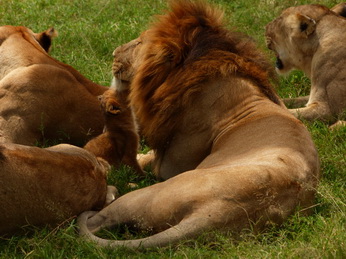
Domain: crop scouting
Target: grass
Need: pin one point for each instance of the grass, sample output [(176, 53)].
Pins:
[(88, 33)]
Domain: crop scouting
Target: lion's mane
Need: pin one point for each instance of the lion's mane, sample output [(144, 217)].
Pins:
[(182, 50)]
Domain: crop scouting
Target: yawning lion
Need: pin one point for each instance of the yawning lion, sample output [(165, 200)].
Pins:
[(311, 38)]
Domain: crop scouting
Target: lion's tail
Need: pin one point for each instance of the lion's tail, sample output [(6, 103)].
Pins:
[(187, 228)]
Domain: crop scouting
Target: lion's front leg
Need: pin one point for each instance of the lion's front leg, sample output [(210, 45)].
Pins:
[(314, 111), (296, 102)]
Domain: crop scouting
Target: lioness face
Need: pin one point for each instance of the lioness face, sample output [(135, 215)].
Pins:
[(281, 38), (275, 39), (292, 37)]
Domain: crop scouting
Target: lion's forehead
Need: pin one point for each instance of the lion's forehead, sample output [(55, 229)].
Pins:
[(279, 24), (314, 11), (127, 48)]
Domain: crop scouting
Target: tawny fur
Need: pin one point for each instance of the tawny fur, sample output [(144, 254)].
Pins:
[(311, 38), (232, 154), (42, 98), (119, 142), (47, 186)]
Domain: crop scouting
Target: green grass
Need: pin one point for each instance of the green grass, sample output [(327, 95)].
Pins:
[(88, 33)]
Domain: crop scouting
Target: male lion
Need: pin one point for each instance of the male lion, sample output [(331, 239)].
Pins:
[(48, 186), (232, 152), (311, 38), (119, 142), (40, 97)]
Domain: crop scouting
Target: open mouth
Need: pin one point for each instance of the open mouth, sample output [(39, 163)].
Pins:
[(279, 65)]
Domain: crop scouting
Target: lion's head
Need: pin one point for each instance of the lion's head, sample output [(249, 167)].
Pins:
[(292, 36), (110, 104), (42, 39), (124, 60)]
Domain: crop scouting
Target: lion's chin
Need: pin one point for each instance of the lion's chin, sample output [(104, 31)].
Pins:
[(119, 84)]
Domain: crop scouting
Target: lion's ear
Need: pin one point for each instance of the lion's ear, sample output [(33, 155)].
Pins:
[(306, 25), (45, 38), (339, 9), (113, 109)]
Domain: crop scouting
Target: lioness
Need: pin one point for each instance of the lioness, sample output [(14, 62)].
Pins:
[(119, 142), (48, 186), (311, 38), (232, 153), (40, 97)]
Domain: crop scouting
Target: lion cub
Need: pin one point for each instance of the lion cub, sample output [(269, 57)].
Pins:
[(119, 142)]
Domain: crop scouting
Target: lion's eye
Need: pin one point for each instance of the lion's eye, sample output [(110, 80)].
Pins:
[(303, 26)]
